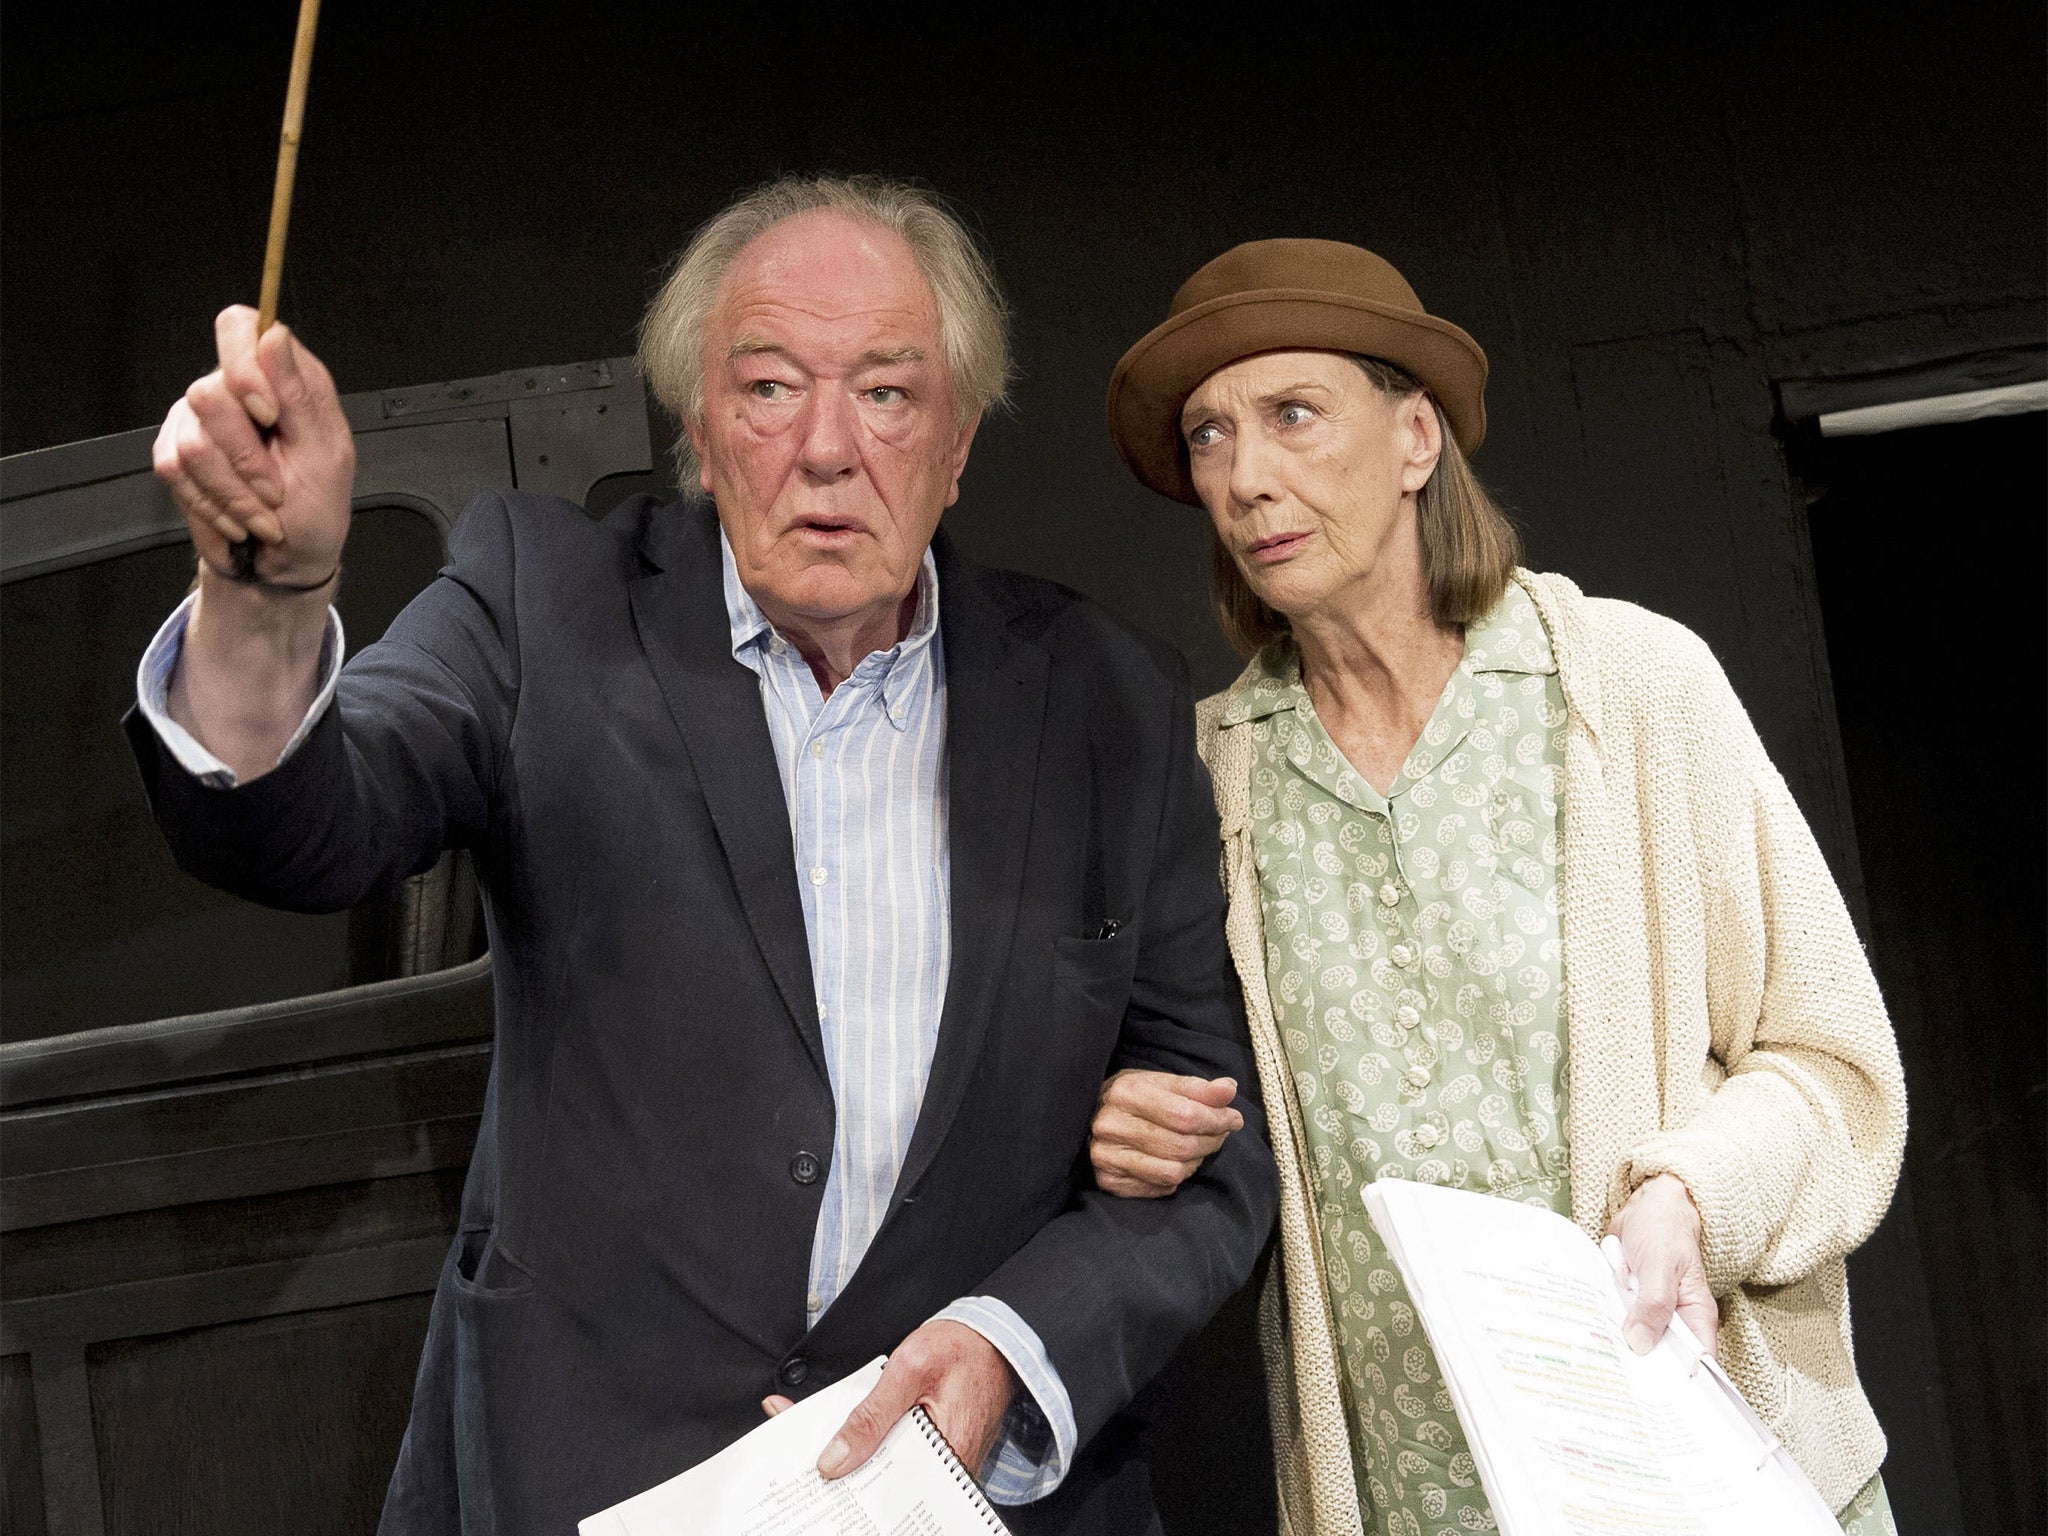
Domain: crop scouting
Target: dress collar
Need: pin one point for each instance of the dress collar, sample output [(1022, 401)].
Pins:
[(1509, 639)]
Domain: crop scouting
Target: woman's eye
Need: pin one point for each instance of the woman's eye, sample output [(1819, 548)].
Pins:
[(1203, 436), (887, 394), (1294, 413)]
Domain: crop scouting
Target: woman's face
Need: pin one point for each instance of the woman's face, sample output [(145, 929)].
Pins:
[(1310, 473)]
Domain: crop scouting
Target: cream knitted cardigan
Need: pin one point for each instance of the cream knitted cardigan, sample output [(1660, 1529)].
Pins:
[(1725, 1028)]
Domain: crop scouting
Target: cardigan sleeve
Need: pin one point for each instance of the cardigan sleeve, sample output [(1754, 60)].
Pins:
[(1793, 1157)]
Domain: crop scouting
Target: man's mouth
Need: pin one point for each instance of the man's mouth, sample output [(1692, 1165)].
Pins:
[(827, 526)]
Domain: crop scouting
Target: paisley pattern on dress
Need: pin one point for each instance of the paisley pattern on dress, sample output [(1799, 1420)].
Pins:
[(1416, 967)]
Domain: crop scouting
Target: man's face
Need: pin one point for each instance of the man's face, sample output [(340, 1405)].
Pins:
[(830, 438)]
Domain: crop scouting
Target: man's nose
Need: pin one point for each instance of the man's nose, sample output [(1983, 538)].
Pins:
[(832, 437)]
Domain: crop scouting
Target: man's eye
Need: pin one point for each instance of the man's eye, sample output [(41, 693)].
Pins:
[(1203, 436), (887, 394), (1294, 413), (769, 389)]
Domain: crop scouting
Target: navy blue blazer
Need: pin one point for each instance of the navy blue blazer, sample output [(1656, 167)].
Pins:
[(629, 1277)]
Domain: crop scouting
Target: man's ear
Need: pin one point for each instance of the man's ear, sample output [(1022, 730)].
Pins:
[(1422, 441), (961, 444), (697, 441)]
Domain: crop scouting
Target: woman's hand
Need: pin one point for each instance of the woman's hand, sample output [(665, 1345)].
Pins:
[(1659, 1229), (1153, 1129)]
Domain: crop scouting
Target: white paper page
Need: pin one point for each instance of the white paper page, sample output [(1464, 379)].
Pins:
[(1575, 1434), (767, 1484)]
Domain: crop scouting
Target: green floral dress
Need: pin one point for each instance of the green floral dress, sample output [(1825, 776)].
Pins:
[(1415, 963)]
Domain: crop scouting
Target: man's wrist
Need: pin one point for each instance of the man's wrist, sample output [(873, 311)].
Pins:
[(276, 611), (248, 669), (243, 573)]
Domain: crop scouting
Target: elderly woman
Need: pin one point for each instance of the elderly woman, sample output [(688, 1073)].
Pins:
[(1518, 902)]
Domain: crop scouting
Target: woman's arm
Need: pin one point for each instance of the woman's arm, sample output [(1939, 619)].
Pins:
[(1793, 1158)]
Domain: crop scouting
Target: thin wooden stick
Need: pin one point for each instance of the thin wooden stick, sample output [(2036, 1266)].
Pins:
[(287, 163)]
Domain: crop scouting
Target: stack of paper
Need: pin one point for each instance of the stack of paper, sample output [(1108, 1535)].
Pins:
[(767, 1484), (1574, 1434)]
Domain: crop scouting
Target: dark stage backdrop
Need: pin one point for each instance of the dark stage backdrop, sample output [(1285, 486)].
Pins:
[(1650, 225)]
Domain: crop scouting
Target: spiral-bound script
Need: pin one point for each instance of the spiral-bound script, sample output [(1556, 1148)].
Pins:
[(767, 1484), (958, 1468)]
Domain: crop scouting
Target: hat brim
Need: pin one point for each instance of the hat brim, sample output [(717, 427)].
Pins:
[(1156, 376)]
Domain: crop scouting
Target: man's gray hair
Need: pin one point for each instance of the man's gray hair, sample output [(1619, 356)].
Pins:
[(973, 319)]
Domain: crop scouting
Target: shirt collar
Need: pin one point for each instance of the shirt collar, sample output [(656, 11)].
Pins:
[(752, 633)]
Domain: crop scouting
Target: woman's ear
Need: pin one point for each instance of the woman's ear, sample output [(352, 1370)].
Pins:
[(1422, 440)]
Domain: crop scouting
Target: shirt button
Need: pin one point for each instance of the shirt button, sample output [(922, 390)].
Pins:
[(812, 1304), (1418, 1078), (818, 875), (1390, 895), (897, 712), (778, 645), (793, 1371), (817, 749), (1403, 955), (804, 1168), (1406, 1017)]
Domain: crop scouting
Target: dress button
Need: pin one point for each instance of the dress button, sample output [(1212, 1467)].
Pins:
[(805, 1168), (1390, 895), (1427, 1136), (1418, 1078), (1403, 955), (1406, 1017), (794, 1370), (818, 875)]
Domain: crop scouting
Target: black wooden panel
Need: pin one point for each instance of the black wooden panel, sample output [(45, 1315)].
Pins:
[(281, 1130), (287, 1424), (21, 1450), (405, 1013), (224, 1235)]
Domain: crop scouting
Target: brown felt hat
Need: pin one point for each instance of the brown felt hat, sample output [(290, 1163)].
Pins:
[(1283, 295)]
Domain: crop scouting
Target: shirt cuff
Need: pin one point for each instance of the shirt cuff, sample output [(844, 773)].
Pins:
[(153, 691), (1037, 1442)]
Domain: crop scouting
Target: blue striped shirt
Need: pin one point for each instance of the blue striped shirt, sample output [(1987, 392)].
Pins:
[(864, 777)]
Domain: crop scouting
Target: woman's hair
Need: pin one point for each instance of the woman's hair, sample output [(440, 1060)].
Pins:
[(1469, 548), (973, 319)]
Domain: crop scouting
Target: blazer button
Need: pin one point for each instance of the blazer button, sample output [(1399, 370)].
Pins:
[(793, 1371), (804, 1168)]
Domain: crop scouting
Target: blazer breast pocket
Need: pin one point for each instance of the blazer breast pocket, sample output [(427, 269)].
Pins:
[(1091, 980), (1052, 1100)]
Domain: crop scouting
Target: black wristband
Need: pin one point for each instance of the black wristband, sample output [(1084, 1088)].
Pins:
[(244, 572)]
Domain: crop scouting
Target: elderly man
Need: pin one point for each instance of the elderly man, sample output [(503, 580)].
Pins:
[(826, 873)]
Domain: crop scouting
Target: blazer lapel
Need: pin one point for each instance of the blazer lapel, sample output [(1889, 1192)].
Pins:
[(679, 610), (995, 710)]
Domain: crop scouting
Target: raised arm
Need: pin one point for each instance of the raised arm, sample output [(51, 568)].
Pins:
[(270, 776), (258, 449)]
